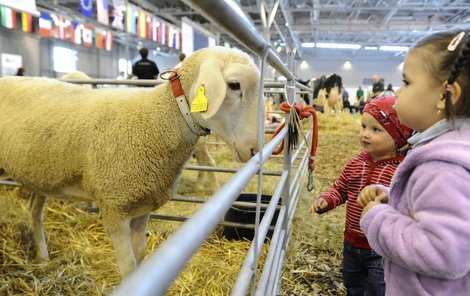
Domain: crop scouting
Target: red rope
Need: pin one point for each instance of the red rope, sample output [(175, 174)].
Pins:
[(303, 112)]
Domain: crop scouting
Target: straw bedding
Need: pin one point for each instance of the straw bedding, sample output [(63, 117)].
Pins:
[(82, 259)]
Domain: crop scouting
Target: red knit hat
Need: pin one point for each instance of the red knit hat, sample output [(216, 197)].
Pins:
[(383, 111)]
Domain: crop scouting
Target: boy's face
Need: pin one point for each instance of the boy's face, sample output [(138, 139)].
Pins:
[(375, 139)]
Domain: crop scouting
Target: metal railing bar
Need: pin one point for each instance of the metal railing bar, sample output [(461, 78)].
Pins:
[(156, 274), (225, 170), (244, 276), (274, 247)]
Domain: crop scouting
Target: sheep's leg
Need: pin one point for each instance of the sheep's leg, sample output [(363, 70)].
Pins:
[(204, 158), (212, 176), (36, 215), (118, 229), (138, 239)]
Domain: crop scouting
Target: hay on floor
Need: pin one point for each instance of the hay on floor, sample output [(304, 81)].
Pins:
[(82, 259)]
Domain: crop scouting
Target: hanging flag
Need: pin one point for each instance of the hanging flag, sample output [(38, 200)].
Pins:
[(87, 35), (76, 33), (118, 14), (170, 40), (149, 28), (142, 28), (26, 22), (102, 11), (131, 19), (109, 41), (99, 38), (178, 39), (86, 7), (45, 24), (155, 25), (161, 33), (8, 17), (61, 25)]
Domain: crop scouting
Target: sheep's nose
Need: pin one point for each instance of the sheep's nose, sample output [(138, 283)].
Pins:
[(253, 152)]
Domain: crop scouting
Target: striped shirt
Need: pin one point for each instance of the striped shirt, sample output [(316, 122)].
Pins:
[(359, 172)]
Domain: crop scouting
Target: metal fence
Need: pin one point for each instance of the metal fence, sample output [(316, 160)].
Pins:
[(155, 275)]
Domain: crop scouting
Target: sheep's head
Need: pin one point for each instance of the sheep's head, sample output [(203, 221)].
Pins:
[(231, 85)]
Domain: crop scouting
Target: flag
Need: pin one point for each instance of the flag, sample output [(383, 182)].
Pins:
[(170, 39), (149, 27), (178, 39), (45, 24), (86, 7), (161, 33), (131, 19), (99, 38), (118, 15), (26, 22), (142, 28), (102, 11), (109, 41), (76, 33), (61, 25), (155, 25), (87, 35), (8, 17)]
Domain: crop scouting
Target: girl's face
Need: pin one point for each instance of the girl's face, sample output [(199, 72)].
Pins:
[(375, 139), (417, 98)]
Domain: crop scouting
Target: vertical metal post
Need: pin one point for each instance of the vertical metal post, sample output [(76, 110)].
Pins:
[(261, 117)]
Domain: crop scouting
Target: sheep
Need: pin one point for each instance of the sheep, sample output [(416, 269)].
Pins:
[(204, 158), (78, 75), (123, 148)]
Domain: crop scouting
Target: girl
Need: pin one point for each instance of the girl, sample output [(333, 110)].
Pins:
[(381, 135), (423, 233)]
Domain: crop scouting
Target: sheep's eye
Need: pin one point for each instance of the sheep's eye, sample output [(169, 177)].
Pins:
[(234, 85)]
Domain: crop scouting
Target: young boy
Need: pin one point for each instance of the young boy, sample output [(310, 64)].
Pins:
[(381, 136)]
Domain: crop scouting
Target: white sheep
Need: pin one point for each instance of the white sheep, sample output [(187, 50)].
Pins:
[(122, 148), (204, 158)]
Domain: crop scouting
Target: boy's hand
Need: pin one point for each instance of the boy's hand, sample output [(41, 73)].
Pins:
[(319, 206), (371, 193)]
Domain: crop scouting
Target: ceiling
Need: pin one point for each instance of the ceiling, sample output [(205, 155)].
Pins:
[(363, 22)]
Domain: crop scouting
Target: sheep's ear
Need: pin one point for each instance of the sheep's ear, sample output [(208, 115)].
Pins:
[(210, 75)]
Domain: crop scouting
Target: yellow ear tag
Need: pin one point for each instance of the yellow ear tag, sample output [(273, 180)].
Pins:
[(199, 103)]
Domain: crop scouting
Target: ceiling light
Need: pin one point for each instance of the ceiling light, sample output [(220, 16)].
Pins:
[(371, 48), (393, 48), (347, 65), (308, 44), (303, 65), (339, 45)]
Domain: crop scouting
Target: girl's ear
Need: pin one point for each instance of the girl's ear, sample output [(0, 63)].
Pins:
[(456, 92)]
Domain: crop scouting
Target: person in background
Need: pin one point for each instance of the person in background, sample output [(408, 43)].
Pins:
[(121, 76), (346, 104), (145, 68), (20, 71), (181, 58), (421, 224), (381, 136), (377, 87), (360, 100), (389, 91)]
